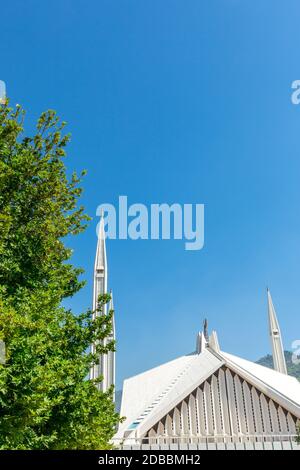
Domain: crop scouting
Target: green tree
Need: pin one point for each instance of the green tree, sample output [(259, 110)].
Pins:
[(46, 401)]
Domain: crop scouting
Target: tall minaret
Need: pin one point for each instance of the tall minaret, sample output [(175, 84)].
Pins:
[(106, 362), (277, 348)]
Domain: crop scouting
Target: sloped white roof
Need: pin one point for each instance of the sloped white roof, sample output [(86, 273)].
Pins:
[(149, 396), (285, 385), (140, 390)]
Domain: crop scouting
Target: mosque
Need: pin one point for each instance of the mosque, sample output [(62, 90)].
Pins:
[(208, 399)]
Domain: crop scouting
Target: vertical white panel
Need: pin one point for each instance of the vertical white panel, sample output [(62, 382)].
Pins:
[(168, 426), (160, 429), (232, 404), (240, 405), (197, 413), (209, 408), (224, 403), (257, 412), (184, 418), (176, 422), (193, 414), (283, 421), (216, 405), (265, 414), (202, 412), (274, 418), (291, 424), (249, 409)]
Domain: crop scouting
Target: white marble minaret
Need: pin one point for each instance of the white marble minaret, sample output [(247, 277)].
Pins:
[(106, 365), (276, 341)]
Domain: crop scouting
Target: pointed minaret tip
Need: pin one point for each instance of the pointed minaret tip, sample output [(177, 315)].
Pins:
[(101, 227), (276, 340), (100, 261)]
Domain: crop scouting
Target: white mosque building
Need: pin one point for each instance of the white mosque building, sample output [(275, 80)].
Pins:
[(208, 399)]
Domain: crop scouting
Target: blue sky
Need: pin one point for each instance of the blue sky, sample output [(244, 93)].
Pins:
[(176, 101)]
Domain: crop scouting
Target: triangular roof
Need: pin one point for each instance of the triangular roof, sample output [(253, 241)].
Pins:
[(149, 396), (141, 390)]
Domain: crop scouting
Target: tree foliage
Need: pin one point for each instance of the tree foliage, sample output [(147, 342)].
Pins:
[(46, 401)]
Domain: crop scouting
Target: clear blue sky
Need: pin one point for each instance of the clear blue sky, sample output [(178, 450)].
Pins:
[(176, 101)]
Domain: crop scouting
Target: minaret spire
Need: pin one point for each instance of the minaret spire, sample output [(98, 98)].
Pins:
[(106, 365), (275, 335)]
